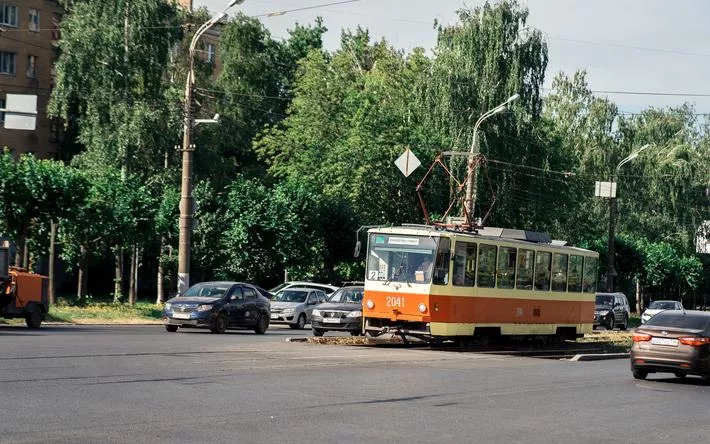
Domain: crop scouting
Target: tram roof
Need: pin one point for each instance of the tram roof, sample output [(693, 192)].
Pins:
[(524, 237)]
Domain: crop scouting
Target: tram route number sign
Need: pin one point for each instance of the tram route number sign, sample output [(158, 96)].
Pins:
[(407, 162)]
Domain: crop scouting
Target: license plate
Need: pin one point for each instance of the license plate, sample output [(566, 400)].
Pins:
[(331, 320), (665, 341), (274, 316), (181, 315)]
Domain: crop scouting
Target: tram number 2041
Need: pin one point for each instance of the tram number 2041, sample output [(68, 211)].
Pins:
[(395, 301)]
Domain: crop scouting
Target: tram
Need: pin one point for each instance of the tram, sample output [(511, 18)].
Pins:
[(438, 284)]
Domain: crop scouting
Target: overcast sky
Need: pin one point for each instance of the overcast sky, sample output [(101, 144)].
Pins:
[(648, 46)]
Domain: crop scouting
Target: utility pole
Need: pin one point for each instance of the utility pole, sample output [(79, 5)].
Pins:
[(610, 271), (472, 168), (188, 148), (608, 189)]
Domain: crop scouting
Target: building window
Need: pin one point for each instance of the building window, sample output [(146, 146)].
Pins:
[(8, 15), (7, 62), (210, 53), (34, 20), (31, 67), (2, 113)]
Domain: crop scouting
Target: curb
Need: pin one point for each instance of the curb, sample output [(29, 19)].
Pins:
[(599, 356)]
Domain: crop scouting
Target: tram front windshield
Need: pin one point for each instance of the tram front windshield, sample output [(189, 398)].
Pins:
[(401, 258)]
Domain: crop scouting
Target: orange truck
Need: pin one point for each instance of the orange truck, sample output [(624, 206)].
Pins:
[(22, 294)]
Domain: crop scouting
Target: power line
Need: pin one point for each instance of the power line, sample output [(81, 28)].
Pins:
[(304, 8)]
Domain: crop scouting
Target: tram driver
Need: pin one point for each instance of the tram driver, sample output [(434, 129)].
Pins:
[(423, 272)]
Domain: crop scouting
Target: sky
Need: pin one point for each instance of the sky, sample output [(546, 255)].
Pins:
[(630, 46)]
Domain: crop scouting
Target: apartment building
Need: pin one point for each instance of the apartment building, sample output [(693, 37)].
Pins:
[(29, 40), (207, 48)]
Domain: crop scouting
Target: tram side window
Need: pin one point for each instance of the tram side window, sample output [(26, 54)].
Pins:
[(589, 277), (559, 272), (506, 267), (464, 264), (574, 277), (486, 276), (443, 260), (526, 265), (542, 270)]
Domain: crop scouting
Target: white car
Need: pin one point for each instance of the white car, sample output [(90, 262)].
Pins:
[(657, 307), (325, 288)]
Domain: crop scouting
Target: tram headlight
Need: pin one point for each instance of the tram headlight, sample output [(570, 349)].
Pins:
[(422, 307), (369, 304)]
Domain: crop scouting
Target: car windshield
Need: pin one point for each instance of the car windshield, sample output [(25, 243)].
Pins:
[(679, 319), (206, 291), (290, 296), (605, 300), (662, 305), (347, 296)]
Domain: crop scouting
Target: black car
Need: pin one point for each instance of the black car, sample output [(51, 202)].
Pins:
[(218, 306), (341, 312), (611, 310)]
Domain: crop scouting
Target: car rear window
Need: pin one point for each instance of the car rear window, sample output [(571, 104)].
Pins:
[(690, 321)]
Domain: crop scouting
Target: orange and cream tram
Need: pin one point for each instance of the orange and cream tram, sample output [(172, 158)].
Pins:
[(445, 284)]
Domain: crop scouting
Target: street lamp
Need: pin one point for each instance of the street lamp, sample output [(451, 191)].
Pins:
[(472, 171), (610, 269), (186, 204)]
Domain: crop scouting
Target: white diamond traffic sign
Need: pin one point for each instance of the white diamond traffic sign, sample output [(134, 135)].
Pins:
[(407, 162)]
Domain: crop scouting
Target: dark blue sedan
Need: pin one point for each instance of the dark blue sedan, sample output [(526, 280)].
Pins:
[(218, 306)]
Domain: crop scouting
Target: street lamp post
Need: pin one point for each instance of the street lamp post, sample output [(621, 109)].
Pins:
[(472, 170), (186, 203), (610, 269)]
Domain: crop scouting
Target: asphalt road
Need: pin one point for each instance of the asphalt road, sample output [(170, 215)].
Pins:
[(144, 385)]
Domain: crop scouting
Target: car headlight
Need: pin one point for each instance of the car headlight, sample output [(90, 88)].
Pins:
[(355, 314), (315, 312), (168, 305), (289, 310), (603, 313), (204, 307)]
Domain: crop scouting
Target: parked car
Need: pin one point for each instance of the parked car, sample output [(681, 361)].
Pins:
[(218, 306), (293, 306), (611, 310), (325, 288), (658, 306), (341, 312), (672, 341)]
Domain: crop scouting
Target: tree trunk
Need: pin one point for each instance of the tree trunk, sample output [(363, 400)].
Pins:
[(26, 256), (134, 272), (52, 250), (118, 276), (639, 301), (19, 250), (83, 275), (160, 297)]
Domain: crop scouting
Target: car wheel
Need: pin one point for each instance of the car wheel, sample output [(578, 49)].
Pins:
[(301, 322), (318, 332), (639, 374), (610, 326), (220, 324), (680, 375), (34, 318), (261, 325), (171, 328), (355, 333), (625, 324)]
